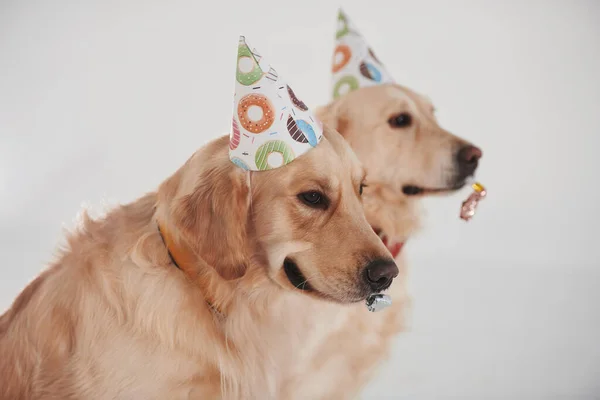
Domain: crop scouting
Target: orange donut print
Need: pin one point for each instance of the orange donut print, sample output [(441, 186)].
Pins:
[(252, 123), (341, 56)]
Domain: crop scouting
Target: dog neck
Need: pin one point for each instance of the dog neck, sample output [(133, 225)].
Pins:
[(393, 246), (393, 216), (183, 258)]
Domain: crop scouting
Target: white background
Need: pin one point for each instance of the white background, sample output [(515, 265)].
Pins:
[(100, 101)]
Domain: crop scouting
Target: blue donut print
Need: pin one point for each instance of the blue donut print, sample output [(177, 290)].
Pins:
[(240, 163), (374, 72), (308, 131)]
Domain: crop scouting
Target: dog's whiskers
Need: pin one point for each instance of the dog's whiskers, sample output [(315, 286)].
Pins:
[(306, 279)]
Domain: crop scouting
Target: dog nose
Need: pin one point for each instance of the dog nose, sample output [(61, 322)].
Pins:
[(380, 273), (468, 158)]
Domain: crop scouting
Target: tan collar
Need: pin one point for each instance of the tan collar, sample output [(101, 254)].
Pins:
[(184, 259)]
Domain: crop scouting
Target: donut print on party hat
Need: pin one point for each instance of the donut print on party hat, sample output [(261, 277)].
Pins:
[(248, 71), (341, 57), (234, 139), (373, 56), (262, 113), (369, 71), (344, 85), (343, 27), (301, 131), (273, 154), (354, 62), (271, 126), (296, 101), (240, 163)]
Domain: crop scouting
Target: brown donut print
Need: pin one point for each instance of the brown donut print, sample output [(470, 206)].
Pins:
[(295, 131), (372, 54), (364, 71), (297, 102), (346, 54), (268, 115)]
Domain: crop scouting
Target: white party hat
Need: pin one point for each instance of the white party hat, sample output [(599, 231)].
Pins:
[(271, 126), (354, 63)]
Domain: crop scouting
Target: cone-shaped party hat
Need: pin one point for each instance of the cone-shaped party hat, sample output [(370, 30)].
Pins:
[(271, 126), (354, 62)]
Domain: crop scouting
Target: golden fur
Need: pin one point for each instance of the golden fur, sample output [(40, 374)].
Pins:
[(114, 318)]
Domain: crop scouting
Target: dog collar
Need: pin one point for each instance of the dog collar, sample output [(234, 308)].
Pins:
[(185, 259), (167, 247)]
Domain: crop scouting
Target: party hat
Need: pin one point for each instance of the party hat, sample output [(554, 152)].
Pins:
[(271, 126), (354, 63)]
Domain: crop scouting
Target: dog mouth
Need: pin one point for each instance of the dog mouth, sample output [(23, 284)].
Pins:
[(412, 190), (299, 281), (295, 276)]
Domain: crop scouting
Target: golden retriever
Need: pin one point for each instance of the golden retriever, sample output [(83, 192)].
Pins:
[(222, 284), (394, 133)]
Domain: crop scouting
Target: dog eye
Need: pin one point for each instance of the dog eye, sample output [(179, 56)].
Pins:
[(313, 199), (400, 121), (360, 190)]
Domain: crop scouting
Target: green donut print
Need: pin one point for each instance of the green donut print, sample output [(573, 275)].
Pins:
[(343, 30), (273, 146), (346, 80), (247, 78)]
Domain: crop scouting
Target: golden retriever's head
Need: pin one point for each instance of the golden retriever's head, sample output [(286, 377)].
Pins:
[(394, 133), (304, 222)]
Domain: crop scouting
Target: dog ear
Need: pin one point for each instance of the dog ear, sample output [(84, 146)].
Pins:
[(333, 116), (209, 210)]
